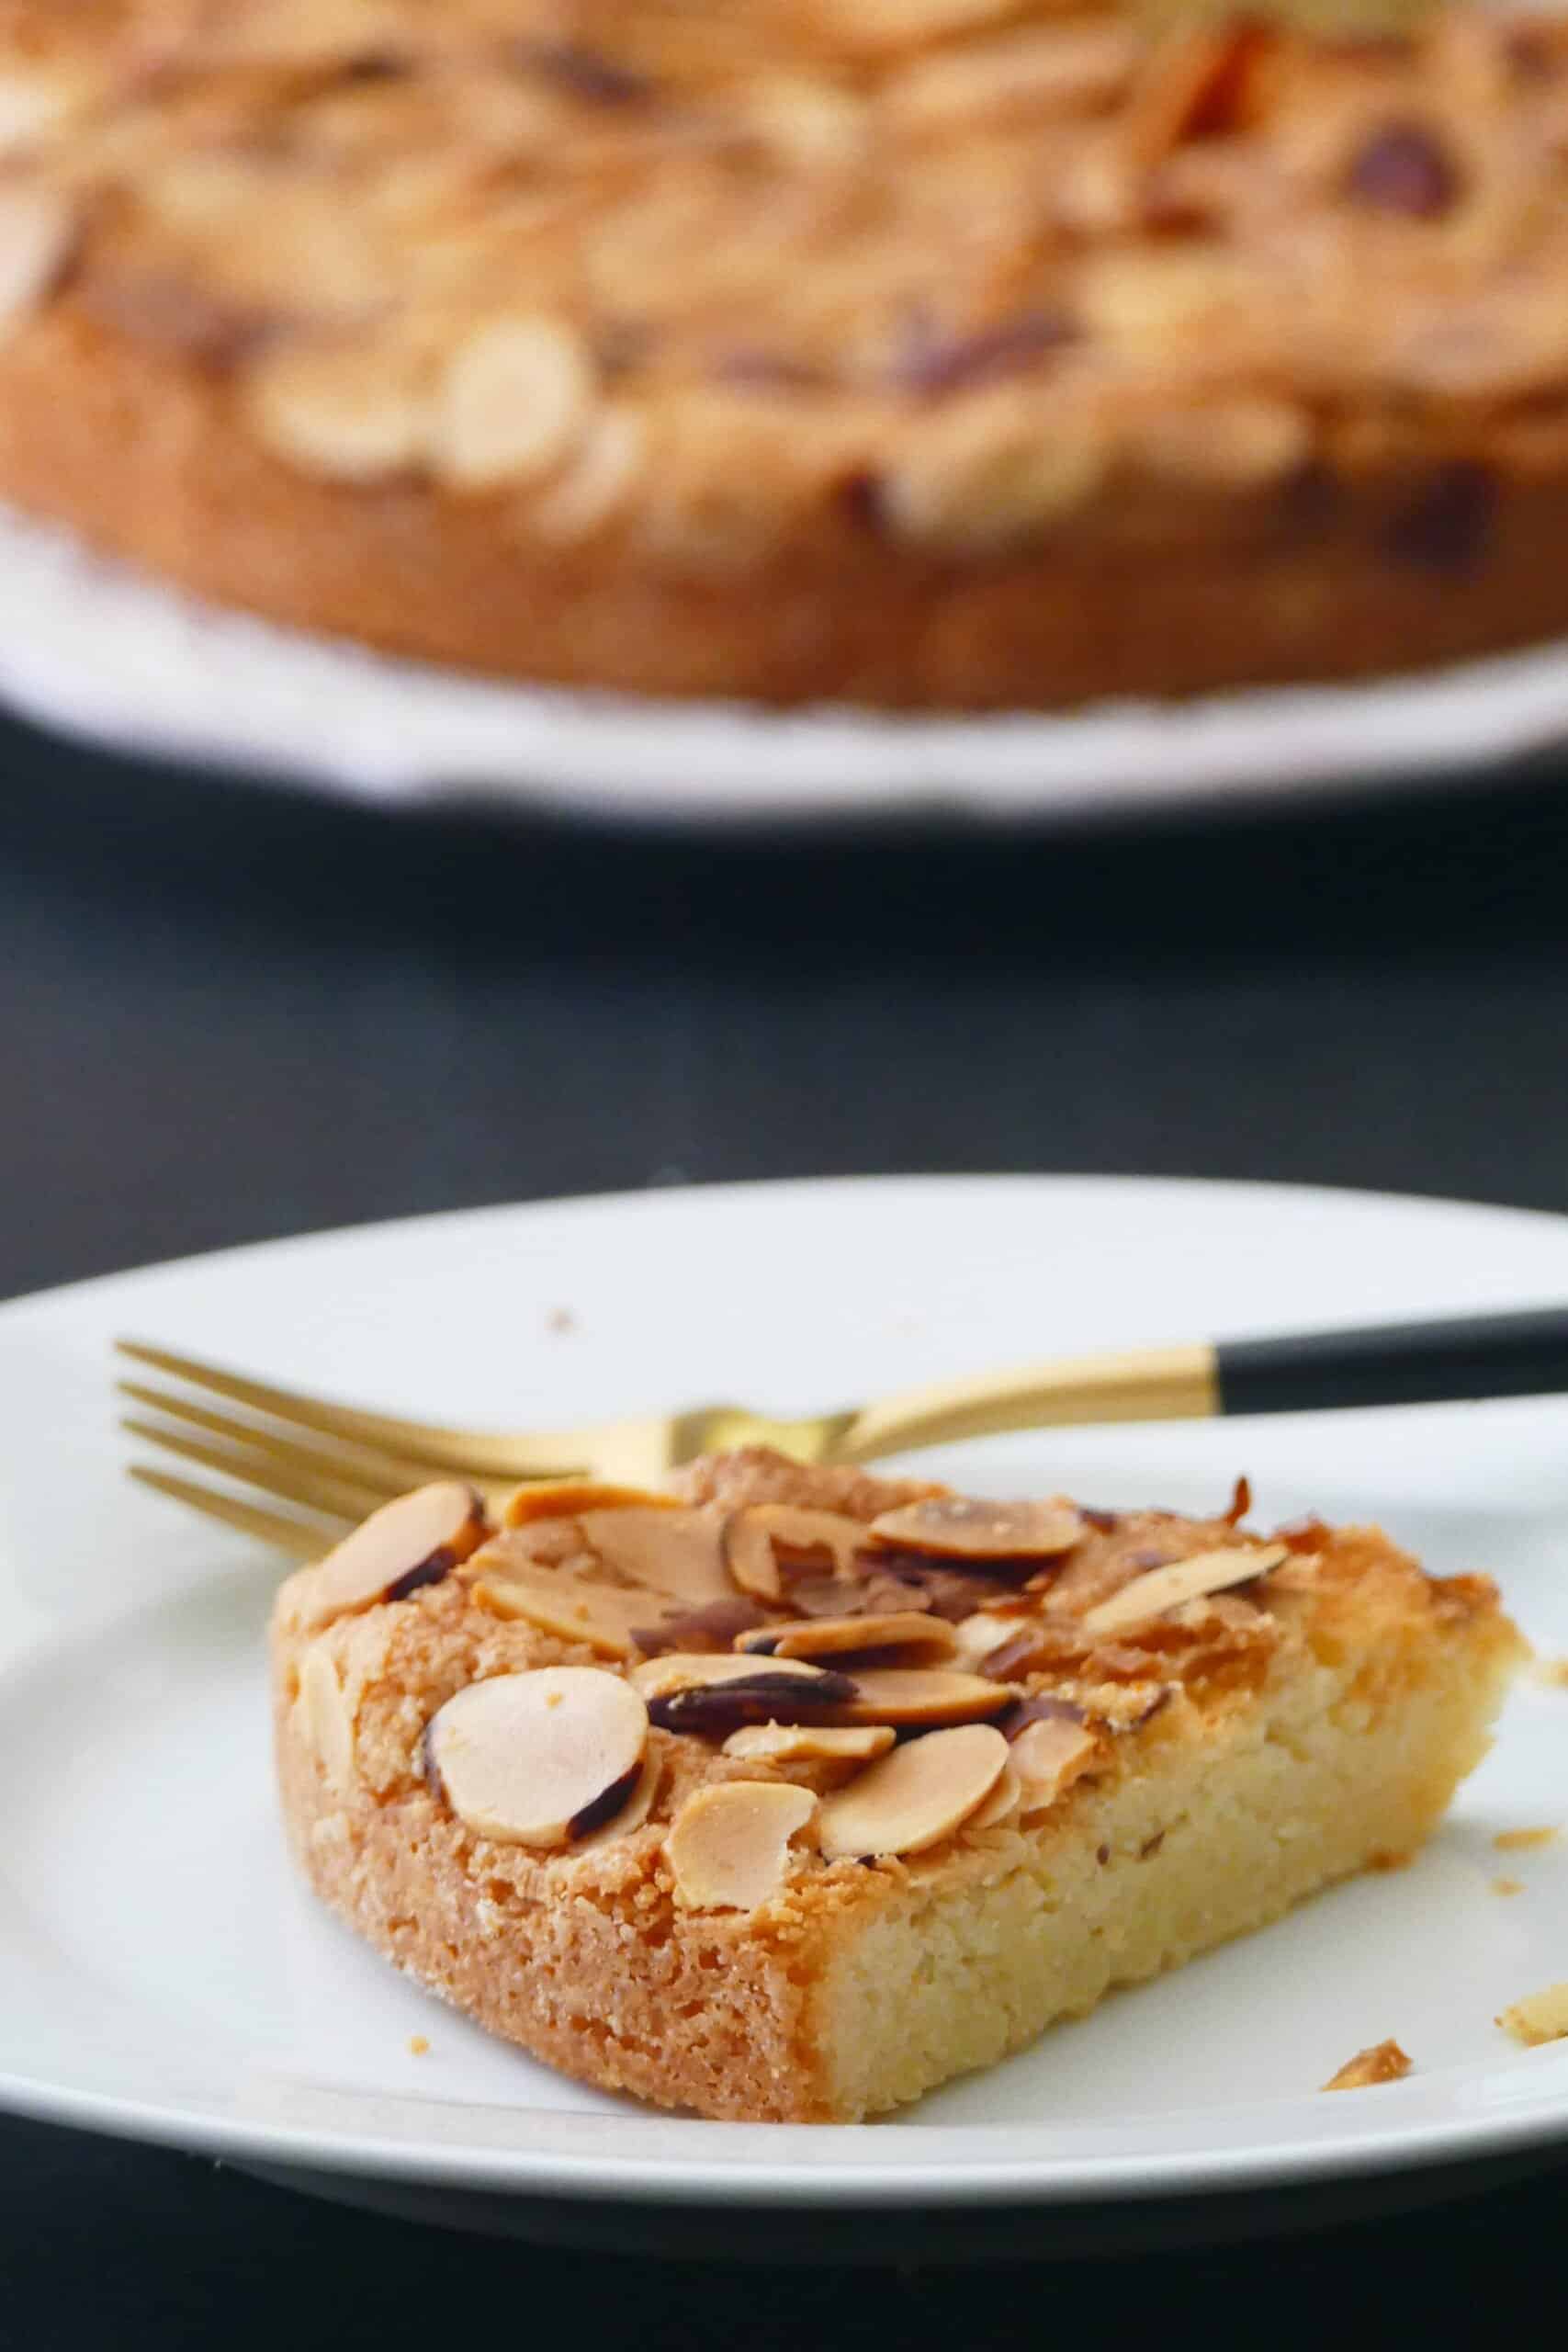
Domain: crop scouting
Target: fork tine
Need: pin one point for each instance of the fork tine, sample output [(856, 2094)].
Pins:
[(295, 1536), (340, 1497), (385, 1475), (480, 1454)]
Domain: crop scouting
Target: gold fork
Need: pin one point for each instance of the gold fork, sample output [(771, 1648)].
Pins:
[(333, 1464)]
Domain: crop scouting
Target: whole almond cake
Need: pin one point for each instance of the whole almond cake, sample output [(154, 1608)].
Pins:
[(943, 353), (791, 1793)]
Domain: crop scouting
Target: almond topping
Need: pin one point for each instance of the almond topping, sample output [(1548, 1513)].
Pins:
[(632, 1816), (323, 1717), (915, 1796), (811, 1743), (754, 1537), (912, 1695), (409, 1543), (571, 1608), (672, 1552), (978, 1636), (729, 1846), (348, 415), (1162, 1589), (570, 1497), (516, 398), (661, 1678), (537, 1759), (928, 1639), (1004, 1799), (956, 1527), (36, 234), (1048, 1755)]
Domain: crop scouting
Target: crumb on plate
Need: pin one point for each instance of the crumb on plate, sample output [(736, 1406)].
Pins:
[(1384, 2062), (1519, 1841), (1540, 2017), (1508, 1886)]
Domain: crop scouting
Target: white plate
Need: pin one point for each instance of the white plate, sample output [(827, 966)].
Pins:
[(160, 1974), (94, 649)]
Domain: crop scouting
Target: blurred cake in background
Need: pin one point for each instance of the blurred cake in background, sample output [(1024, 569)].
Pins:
[(927, 353)]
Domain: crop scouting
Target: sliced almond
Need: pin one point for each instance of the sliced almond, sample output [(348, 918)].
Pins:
[(729, 1846), (674, 1551), (661, 1678), (811, 1743), (958, 1527), (929, 1639), (912, 1695), (1162, 1589), (323, 1717), (570, 1497), (409, 1543), (1048, 1756), (349, 415), (516, 399), (538, 1758), (571, 1608), (632, 1816), (975, 1637), (1005, 1799), (915, 1796), (754, 1537), (37, 230)]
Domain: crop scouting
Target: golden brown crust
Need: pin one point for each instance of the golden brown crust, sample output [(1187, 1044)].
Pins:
[(596, 1957), (1008, 355)]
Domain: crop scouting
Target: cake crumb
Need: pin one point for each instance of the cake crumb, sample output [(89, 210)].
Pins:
[(1552, 1671), (561, 1320), (1508, 1886), (1386, 2062), (418, 2045), (1540, 2017), (1518, 1841)]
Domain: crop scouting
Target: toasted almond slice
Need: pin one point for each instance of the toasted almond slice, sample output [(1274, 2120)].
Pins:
[(538, 1758), (1162, 1589), (572, 1607), (753, 1537), (570, 1497), (729, 1847), (918, 1795), (660, 1677), (672, 1552), (959, 1527), (632, 1816), (323, 1717), (907, 1695), (351, 414), (811, 1743), (930, 1638), (406, 1544), (1048, 1756), (517, 397), (975, 1637), (1005, 1799)]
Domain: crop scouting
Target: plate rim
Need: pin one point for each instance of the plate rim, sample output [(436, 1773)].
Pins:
[(726, 2163)]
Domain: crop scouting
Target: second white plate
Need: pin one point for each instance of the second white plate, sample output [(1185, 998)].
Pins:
[(169, 678)]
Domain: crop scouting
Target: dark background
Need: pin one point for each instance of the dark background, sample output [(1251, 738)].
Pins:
[(228, 1012)]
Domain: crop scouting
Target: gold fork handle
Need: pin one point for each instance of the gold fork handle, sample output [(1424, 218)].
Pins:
[(1143, 1384)]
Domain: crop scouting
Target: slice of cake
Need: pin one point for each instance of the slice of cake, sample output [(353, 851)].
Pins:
[(794, 1792)]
